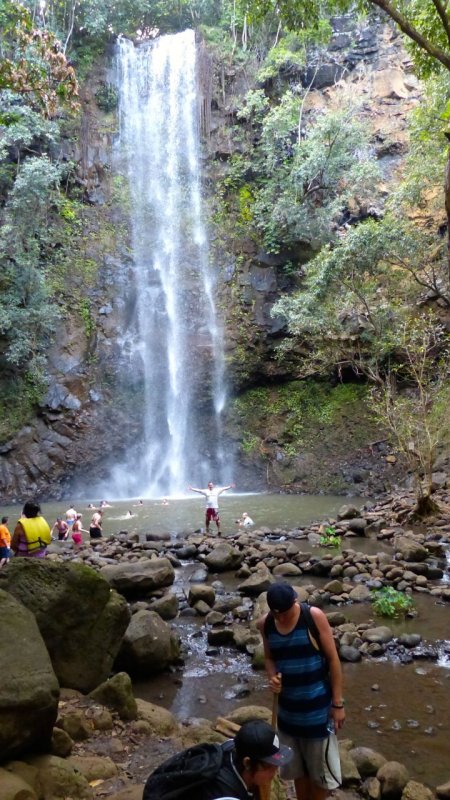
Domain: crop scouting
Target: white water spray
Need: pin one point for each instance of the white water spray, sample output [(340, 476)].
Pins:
[(173, 340)]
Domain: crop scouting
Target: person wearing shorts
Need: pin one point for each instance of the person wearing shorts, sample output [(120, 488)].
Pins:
[(212, 503), (5, 542), (95, 528), (307, 677)]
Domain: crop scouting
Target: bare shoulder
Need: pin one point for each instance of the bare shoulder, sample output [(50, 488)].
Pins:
[(319, 617)]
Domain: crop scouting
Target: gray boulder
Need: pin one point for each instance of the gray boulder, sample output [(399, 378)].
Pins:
[(149, 645), (379, 635), (201, 591), (259, 581), (410, 549), (29, 689), (417, 791), (167, 606), (81, 621), (117, 694), (224, 558), (367, 761), (139, 577), (393, 778)]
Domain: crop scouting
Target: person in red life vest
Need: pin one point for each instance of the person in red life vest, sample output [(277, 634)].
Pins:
[(32, 533)]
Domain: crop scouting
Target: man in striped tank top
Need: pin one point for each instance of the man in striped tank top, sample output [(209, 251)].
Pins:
[(307, 677)]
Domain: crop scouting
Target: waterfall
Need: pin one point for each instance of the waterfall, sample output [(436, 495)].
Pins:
[(173, 339)]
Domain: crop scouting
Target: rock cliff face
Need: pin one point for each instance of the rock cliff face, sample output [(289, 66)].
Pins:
[(92, 410)]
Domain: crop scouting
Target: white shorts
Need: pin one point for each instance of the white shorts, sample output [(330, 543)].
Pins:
[(317, 759)]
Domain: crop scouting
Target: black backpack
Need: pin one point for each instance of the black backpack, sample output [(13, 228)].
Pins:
[(311, 624), (180, 777)]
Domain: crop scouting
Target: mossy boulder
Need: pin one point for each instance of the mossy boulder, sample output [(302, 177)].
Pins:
[(29, 689), (81, 620)]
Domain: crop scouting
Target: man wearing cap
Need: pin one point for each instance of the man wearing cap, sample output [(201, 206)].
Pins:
[(308, 679), (251, 763)]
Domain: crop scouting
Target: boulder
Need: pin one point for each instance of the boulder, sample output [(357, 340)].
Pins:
[(350, 774), (359, 594), (201, 591), (347, 511), (81, 621), (167, 606), (389, 83), (117, 694), (29, 689), (58, 779), (368, 761), (443, 791), (417, 791), (380, 635), (349, 653), (246, 713), (14, 787), (224, 558), (410, 549), (93, 767), (161, 721), (141, 577), (149, 645), (259, 581), (393, 778)]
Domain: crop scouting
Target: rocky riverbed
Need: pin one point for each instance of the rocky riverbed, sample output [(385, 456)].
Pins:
[(109, 609)]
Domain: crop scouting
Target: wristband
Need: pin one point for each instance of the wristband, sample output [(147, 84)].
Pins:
[(338, 705)]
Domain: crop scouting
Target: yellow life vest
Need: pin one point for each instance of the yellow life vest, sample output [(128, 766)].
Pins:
[(37, 533)]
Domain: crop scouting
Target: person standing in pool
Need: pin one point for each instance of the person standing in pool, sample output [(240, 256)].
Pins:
[(212, 503)]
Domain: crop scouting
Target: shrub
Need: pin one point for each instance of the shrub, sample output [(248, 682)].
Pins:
[(389, 602)]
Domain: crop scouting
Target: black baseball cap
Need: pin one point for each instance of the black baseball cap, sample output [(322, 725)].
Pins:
[(258, 741), (280, 597)]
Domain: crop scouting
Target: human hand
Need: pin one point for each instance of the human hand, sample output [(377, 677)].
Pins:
[(338, 717), (275, 683)]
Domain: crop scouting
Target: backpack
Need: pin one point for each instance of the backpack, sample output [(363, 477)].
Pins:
[(180, 777), (311, 625)]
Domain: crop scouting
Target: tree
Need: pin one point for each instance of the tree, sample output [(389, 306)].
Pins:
[(416, 416), (425, 24), (32, 64)]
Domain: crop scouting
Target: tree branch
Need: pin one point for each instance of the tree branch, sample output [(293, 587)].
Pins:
[(440, 8), (413, 33)]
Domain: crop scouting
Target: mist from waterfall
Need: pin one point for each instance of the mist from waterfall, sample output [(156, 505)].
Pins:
[(173, 338)]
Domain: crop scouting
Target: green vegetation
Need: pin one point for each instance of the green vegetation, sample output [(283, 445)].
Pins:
[(329, 538), (388, 602), (296, 182), (297, 414)]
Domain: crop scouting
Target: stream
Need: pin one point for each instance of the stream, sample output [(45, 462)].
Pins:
[(402, 710)]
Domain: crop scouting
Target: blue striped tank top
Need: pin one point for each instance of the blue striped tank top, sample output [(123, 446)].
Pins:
[(305, 697)]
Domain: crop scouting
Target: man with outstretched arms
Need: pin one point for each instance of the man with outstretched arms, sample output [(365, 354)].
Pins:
[(212, 503)]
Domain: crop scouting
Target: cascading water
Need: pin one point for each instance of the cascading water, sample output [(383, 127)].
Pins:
[(174, 339)]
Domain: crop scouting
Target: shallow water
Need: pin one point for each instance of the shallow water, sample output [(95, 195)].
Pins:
[(187, 513)]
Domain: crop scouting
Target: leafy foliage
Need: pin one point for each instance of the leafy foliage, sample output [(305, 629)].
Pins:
[(389, 602), (32, 63), (417, 416), (300, 179), (329, 537)]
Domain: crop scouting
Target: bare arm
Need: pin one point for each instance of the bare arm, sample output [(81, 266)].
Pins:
[(328, 646), (225, 488), (273, 675), (200, 491), (18, 530)]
